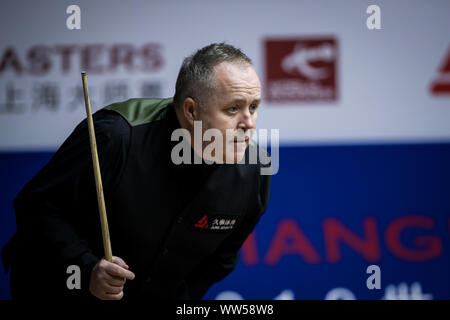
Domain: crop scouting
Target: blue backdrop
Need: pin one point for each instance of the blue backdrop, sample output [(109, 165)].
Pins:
[(333, 211)]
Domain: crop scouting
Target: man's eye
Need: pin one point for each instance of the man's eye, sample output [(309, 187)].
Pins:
[(233, 109), (253, 107)]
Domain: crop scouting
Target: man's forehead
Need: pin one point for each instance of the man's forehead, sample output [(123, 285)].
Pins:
[(228, 72), (253, 99), (231, 77)]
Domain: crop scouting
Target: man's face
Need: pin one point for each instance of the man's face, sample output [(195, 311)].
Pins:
[(233, 106)]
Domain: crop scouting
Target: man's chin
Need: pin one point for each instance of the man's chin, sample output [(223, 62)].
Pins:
[(235, 157)]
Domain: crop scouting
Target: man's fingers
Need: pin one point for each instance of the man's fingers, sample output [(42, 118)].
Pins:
[(108, 280), (106, 288), (115, 281), (120, 262), (117, 271), (112, 296)]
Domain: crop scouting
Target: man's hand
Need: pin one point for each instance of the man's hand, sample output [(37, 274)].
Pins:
[(108, 278)]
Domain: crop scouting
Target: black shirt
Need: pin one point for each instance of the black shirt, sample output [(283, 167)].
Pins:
[(178, 227)]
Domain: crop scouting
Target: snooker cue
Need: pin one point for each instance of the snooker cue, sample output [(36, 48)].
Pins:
[(98, 177)]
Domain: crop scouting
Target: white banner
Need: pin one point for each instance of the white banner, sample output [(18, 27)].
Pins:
[(333, 72)]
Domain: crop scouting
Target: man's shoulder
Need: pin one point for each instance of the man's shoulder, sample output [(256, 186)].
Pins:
[(138, 111)]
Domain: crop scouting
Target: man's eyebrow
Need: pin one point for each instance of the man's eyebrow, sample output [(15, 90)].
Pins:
[(240, 100)]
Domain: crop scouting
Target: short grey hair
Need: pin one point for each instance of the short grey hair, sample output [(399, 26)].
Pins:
[(196, 76)]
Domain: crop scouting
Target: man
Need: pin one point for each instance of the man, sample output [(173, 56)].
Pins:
[(175, 228)]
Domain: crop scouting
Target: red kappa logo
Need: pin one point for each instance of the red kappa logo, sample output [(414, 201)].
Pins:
[(202, 223), (441, 85)]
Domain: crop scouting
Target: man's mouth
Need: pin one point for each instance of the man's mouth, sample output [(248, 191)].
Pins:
[(236, 140)]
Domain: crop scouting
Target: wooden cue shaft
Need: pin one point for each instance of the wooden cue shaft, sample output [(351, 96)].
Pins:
[(98, 177)]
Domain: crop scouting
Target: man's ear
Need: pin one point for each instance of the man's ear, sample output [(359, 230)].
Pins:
[(190, 110)]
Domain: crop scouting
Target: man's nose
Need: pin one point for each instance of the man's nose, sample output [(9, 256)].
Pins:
[(246, 122)]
